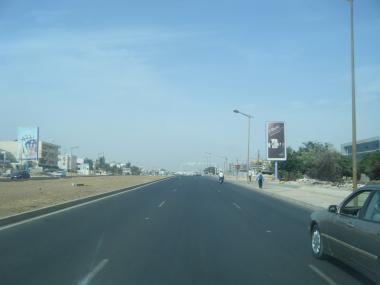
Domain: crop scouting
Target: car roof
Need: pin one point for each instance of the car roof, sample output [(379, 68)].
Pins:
[(374, 187)]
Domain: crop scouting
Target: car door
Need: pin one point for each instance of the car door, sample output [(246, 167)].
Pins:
[(367, 237), (342, 231)]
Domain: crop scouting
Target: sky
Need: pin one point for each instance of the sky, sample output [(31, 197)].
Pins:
[(155, 82)]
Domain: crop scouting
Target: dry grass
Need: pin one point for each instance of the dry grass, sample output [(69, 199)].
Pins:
[(22, 196)]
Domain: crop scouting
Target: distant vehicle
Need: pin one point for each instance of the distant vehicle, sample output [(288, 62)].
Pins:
[(20, 175), (61, 173), (350, 231)]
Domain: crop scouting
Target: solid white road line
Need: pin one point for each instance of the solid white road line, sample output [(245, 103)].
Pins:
[(162, 203), (322, 275), (87, 279), (72, 207), (236, 205)]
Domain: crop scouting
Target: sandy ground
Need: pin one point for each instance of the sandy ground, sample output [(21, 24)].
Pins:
[(312, 195), (22, 196)]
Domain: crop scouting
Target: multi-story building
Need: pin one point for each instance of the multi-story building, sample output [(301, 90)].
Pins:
[(67, 162), (363, 147), (10, 147), (47, 153)]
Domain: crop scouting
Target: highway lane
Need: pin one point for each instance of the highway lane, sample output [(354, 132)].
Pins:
[(187, 230)]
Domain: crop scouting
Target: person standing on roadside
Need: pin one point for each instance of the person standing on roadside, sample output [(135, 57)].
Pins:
[(250, 175), (260, 179)]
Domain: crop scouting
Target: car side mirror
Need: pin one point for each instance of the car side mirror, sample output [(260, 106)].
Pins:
[(333, 209)]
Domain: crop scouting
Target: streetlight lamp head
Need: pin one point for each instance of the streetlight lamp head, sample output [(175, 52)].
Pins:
[(236, 111)]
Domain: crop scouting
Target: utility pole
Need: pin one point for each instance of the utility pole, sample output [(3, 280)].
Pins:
[(354, 151)]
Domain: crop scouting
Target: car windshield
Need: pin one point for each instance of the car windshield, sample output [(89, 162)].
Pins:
[(187, 142)]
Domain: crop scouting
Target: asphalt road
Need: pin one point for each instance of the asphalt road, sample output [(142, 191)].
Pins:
[(187, 230)]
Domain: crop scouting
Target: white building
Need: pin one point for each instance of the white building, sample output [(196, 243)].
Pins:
[(67, 162), (84, 169), (11, 148)]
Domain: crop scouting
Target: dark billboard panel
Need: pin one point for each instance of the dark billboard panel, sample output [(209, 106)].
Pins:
[(276, 144)]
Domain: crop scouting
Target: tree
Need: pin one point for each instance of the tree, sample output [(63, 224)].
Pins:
[(289, 169), (135, 170), (101, 164), (346, 165), (307, 155), (210, 169), (326, 166), (370, 165), (116, 170), (90, 163), (316, 160)]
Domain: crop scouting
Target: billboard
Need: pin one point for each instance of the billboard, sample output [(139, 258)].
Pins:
[(276, 144), (28, 143)]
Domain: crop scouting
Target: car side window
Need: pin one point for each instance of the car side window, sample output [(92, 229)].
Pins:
[(353, 206), (373, 210)]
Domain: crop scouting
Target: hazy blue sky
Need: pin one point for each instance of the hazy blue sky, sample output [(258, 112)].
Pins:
[(155, 82)]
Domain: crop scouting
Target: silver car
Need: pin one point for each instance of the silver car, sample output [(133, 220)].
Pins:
[(350, 231)]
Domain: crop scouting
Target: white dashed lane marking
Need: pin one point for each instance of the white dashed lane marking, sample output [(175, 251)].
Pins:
[(88, 278), (236, 205), (322, 275)]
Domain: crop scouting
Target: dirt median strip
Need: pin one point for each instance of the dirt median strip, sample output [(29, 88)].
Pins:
[(28, 196)]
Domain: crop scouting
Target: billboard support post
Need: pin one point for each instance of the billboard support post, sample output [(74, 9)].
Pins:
[(276, 170)]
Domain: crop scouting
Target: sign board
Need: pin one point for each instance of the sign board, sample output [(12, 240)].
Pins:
[(275, 140), (28, 139)]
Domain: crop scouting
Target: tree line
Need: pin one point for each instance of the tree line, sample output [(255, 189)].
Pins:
[(321, 161)]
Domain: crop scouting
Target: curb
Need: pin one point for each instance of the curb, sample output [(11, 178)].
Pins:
[(49, 209)]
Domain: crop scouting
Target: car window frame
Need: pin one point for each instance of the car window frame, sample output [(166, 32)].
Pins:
[(362, 209)]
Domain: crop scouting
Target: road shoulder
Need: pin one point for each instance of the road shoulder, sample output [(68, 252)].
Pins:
[(310, 197)]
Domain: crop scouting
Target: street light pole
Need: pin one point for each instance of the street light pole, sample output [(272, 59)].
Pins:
[(354, 158), (249, 135)]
